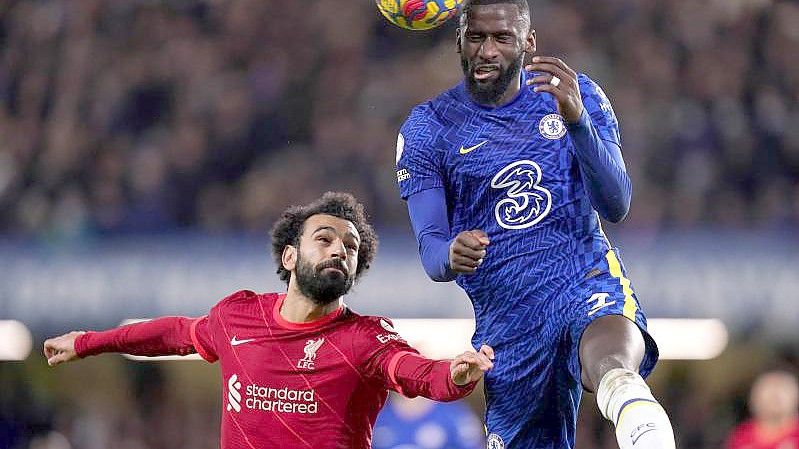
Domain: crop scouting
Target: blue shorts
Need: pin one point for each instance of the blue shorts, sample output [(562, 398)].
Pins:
[(533, 392)]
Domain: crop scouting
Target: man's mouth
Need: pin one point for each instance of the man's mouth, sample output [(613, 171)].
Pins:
[(333, 267), (485, 72)]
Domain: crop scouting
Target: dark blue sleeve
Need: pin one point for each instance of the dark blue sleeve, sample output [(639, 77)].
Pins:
[(601, 165), (428, 212)]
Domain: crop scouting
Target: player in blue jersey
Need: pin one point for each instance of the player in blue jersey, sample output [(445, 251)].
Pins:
[(505, 176)]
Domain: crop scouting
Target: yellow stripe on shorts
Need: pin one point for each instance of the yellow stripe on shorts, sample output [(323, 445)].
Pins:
[(630, 307)]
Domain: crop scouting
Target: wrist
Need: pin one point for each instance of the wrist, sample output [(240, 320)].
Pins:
[(582, 122)]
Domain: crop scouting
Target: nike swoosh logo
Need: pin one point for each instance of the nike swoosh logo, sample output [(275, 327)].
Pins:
[(234, 342), (470, 149)]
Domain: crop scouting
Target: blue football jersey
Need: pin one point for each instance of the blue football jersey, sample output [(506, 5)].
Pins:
[(511, 172)]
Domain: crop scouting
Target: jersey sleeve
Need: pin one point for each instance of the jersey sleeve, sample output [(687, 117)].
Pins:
[(418, 160), (202, 338), (207, 331), (397, 366), (598, 106), (161, 336)]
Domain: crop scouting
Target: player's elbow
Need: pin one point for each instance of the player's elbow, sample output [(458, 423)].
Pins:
[(439, 274), (616, 211)]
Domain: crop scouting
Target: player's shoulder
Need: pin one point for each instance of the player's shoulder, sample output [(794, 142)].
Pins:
[(594, 97), (243, 297), (374, 328), (431, 112)]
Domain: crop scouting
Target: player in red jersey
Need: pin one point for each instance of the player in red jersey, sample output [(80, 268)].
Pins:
[(299, 369), (774, 403)]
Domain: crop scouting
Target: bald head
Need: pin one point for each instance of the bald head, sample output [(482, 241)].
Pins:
[(774, 397)]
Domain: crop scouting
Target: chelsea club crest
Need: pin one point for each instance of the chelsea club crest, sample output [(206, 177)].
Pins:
[(494, 441), (552, 127)]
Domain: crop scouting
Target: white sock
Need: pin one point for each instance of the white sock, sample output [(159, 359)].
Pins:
[(641, 423)]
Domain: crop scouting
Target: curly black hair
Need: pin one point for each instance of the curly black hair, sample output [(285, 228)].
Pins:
[(289, 227)]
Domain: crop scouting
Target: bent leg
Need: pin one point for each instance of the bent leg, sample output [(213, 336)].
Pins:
[(611, 350), (609, 342)]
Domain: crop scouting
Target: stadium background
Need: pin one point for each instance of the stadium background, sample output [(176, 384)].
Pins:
[(146, 147)]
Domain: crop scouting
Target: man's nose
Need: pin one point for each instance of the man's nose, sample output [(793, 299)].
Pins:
[(339, 249), (488, 49)]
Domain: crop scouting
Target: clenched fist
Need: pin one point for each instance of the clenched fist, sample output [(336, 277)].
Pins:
[(61, 349), (467, 250)]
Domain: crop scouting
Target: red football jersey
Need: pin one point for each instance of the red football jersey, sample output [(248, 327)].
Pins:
[(313, 385), (747, 436)]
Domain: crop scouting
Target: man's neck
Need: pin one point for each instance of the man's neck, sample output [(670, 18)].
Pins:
[(298, 308)]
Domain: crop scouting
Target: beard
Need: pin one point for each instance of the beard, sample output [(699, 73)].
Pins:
[(323, 287), (491, 91)]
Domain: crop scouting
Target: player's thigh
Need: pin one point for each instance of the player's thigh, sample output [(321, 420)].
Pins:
[(622, 337)]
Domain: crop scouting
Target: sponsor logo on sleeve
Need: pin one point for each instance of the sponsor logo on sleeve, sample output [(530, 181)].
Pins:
[(402, 175), (392, 335), (400, 146)]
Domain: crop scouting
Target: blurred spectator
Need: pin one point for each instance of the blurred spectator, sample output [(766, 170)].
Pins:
[(148, 116), (423, 424), (774, 405)]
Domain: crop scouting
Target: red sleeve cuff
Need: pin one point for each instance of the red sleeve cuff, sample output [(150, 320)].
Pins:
[(80, 345), (463, 390)]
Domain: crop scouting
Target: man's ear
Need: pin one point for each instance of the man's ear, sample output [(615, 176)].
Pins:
[(289, 258), (529, 47)]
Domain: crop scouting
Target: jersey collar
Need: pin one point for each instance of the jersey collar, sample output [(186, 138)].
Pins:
[(306, 325)]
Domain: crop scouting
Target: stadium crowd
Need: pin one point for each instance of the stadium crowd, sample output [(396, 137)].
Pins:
[(120, 117)]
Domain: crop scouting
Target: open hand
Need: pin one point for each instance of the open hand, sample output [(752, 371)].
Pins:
[(61, 349), (470, 366), (565, 89), (467, 250)]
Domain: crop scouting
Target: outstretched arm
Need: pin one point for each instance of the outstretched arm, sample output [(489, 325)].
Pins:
[(161, 336), (441, 380)]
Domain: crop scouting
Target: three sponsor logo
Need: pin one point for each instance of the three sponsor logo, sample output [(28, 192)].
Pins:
[(526, 202)]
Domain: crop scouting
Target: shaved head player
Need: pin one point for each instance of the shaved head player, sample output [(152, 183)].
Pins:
[(505, 177), (299, 369)]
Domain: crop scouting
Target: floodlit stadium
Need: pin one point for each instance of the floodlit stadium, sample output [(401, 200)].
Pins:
[(147, 148)]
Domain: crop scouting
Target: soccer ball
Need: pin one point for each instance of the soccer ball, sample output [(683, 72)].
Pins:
[(418, 14)]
